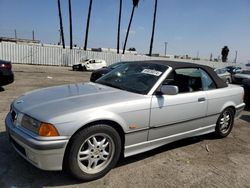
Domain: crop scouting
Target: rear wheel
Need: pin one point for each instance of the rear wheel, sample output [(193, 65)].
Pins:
[(225, 123), (94, 152)]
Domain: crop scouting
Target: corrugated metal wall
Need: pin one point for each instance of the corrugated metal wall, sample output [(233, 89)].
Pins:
[(38, 54)]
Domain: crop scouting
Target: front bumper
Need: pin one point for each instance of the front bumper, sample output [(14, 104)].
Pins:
[(44, 154)]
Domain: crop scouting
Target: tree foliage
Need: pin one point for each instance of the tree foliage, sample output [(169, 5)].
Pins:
[(224, 53)]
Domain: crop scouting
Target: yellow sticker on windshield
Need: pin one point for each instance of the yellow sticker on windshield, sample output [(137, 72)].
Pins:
[(151, 72)]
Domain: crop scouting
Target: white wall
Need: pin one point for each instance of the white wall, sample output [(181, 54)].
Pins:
[(38, 54)]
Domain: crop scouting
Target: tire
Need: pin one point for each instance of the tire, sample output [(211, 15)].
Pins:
[(225, 123), (84, 68), (93, 152), (228, 81)]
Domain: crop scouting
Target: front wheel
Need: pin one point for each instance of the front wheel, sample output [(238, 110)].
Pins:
[(225, 123), (94, 151)]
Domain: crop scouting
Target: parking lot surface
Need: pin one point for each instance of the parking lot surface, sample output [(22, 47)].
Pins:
[(196, 162)]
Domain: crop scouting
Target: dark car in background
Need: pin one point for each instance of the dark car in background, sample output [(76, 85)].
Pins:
[(100, 72), (6, 74), (239, 77), (243, 78), (233, 69), (246, 85)]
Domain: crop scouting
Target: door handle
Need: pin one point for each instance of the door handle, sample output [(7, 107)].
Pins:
[(201, 99)]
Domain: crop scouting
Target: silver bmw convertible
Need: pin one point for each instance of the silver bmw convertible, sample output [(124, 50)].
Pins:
[(136, 107)]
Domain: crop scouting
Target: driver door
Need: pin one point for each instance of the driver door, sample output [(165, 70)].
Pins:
[(175, 116)]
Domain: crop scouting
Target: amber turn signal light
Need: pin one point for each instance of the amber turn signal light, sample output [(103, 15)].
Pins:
[(47, 129)]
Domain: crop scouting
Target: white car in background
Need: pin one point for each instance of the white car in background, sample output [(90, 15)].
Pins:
[(224, 75), (89, 64)]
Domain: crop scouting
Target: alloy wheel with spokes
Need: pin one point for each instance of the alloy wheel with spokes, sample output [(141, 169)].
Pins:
[(93, 152), (225, 123)]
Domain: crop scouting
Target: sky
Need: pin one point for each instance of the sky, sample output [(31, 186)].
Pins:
[(192, 27)]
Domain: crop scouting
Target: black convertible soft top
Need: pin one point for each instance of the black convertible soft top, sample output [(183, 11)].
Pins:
[(176, 65)]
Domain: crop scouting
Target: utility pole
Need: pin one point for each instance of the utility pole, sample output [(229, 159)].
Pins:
[(236, 54), (166, 45), (33, 35), (15, 34)]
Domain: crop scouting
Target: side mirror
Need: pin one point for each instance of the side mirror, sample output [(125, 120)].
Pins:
[(169, 90)]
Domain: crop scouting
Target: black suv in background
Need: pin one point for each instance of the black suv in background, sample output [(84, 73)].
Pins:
[(6, 74)]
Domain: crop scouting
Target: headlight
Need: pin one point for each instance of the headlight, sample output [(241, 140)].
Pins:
[(30, 123), (40, 128)]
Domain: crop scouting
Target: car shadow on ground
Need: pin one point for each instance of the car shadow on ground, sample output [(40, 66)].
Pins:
[(247, 108), (1, 89), (164, 148), (12, 165), (246, 117)]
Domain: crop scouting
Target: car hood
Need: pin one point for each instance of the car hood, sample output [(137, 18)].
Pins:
[(102, 71), (44, 104)]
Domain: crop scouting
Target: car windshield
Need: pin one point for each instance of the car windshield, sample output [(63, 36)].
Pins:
[(134, 77)]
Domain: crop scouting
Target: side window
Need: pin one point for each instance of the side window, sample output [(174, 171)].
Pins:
[(207, 81), (187, 79), (190, 80)]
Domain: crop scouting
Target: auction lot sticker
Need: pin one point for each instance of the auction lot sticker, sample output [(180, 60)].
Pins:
[(152, 72)]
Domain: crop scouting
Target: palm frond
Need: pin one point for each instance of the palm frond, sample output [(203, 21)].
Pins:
[(135, 3)]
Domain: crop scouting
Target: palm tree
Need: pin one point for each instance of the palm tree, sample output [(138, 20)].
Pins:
[(61, 23), (119, 26), (70, 25), (135, 4), (224, 53), (87, 26), (153, 30)]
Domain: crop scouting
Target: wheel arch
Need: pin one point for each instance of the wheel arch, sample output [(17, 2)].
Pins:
[(110, 123), (230, 106)]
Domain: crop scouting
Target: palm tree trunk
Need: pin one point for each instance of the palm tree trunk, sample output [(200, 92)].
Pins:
[(119, 26), (70, 25), (129, 25), (87, 27), (153, 30), (61, 23)]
